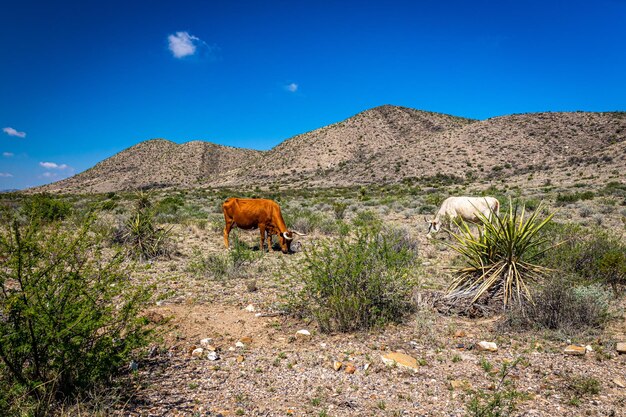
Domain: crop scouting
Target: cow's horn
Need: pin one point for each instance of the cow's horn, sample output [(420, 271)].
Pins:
[(298, 233), (426, 219), (286, 236)]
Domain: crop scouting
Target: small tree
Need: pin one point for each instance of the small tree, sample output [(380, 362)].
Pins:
[(68, 318)]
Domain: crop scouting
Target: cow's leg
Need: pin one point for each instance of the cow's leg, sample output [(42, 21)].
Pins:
[(262, 230), (227, 228), (269, 240)]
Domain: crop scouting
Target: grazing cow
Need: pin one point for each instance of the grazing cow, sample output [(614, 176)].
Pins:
[(466, 208), (252, 213)]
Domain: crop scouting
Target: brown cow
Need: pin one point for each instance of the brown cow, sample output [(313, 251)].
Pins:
[(252, 213)]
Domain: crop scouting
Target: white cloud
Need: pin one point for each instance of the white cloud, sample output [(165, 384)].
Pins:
[(12, 132), (7, 154), (49, 175), (5, 175), (54, 165), (292, 88), (183, 44)]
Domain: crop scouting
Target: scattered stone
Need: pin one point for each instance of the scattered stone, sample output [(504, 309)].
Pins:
[(240, 358), (196, 353), (621, 347), (250, 308), (460, 333), (460, 384), (575, 350), (213, 356), (133, 366), (337, 365), (240, 344), (400, 359), (205, 342), (487, 346), (588, 348), (350, 368), (619, 382), (366, 367), (303, 334), (247, 340)]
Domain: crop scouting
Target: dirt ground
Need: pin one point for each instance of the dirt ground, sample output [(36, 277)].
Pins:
[(273, 371)]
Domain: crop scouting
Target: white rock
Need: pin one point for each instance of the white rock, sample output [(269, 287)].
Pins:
[(213, 356), (487, 346), (240, 345), (589, 348), (303, 334), (196, 353), (250, 308), (205, 342)]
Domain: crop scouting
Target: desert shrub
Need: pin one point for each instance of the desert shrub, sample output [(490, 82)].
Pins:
[(560, 305), (339, 208), (45, 208), (241, 253), (585, 212), (223, 264), (501, 260), (139, 233), (563, 199), (359, 281), (308, 221), (68, 318), (593, 255), (214, 265)]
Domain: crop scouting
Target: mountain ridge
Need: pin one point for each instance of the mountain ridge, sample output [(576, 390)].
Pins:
[(384, 144)]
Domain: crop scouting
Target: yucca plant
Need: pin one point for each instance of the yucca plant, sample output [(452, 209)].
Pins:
[(500, 260), (143, 238)]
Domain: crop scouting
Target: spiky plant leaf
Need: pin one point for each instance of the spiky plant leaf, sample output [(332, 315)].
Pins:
[(499, 260)]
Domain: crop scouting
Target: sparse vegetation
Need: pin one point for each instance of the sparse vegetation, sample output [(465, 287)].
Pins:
[(360, 281)]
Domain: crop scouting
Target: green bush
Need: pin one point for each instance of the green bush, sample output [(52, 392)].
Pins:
[(222, 265), (561, 305), (68, 318), (339, 208), (502, 401), (45, 208), (362, 280), (307, 221), (593, 255), (563, 199), (501, 260)]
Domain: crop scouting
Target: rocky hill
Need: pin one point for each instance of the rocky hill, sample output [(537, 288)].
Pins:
[(158, 163), (382, 145)]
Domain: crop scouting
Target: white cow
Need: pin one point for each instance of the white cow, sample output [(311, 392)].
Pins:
[(466, 208)]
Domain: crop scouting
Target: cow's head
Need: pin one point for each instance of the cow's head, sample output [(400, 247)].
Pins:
[(433, 225), (286, 238)]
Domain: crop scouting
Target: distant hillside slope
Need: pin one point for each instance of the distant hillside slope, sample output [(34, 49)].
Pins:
[(347, 148), (382, 145), (157, 163)]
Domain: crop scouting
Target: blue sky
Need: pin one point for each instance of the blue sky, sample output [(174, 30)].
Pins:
[(82, 80)]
